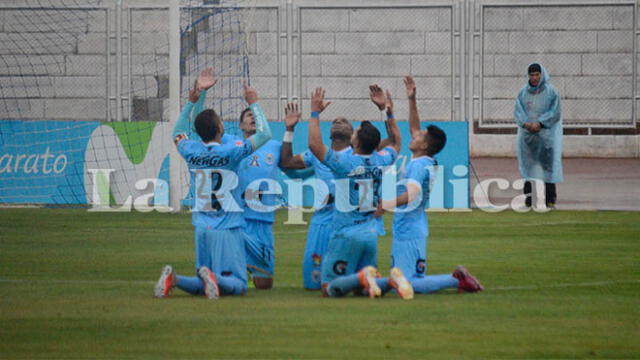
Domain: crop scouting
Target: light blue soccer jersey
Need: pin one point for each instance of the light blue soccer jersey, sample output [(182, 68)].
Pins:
[(262, 164), (355, 171), (411, 225), (325, 214), (208, 209)]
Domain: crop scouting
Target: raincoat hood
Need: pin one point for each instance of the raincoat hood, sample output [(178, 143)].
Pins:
[(544, 79)]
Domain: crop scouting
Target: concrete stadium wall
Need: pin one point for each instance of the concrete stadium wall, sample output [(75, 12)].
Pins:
[(588, 51)]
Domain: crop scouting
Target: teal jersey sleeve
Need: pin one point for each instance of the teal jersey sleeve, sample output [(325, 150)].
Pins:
[(182, 125), (263, 131)]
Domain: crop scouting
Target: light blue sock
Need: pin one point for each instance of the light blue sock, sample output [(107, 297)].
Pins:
[(191, 284), (383, 284), (231, 285), (342, 285), (433, 283)]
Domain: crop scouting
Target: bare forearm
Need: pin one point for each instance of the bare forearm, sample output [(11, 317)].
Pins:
[(393, 132), (288, 160), (315, 139), (414, 117)]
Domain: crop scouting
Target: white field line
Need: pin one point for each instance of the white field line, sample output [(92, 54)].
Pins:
[(292, 286)]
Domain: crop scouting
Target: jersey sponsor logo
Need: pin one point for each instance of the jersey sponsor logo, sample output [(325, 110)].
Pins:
[(239, 143), (340, 267), (208, 160), (254, 161), (359, 170), (421, 265), (383, 153), (269, 159)]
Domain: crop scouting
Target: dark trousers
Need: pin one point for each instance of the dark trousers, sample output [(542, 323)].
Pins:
[(549, 192)]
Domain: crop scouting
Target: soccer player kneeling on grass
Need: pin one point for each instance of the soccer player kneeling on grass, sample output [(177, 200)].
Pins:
[(258, 213), (410, 227), (217, 217), (321, 225), (352, 252)]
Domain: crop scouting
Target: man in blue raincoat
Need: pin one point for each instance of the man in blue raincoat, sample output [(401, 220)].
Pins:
[(539, 141)]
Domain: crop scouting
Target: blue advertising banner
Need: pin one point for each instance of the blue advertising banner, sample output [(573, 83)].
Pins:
[(42, 162), (451, 188)]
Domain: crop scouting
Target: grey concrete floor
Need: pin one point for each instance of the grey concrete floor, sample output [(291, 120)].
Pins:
[(589, 183)]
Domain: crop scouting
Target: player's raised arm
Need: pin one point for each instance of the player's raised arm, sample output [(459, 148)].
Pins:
[(205, 81), (383, 102), (414, 117), (263, 131), (182, 127), (193, 107), (315, 136), (287, 159)]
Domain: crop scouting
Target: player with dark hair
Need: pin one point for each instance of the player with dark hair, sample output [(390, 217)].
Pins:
[(351, 257), (217, 217), (320, 227), (410, 227), (255, 171)]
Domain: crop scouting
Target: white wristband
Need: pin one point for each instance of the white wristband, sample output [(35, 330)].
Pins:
[(288, 137)]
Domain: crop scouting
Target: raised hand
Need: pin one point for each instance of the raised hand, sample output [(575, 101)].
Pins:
[(250, 94), (317, 101), (292, 116), (410, 85), (377, 96), (206, 79)]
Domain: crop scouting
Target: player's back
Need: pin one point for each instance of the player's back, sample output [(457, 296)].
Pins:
[(412, 224), (213, 169), (324, 215), (355, 173)]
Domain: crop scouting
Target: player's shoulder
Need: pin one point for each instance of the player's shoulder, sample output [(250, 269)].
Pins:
[(190, 145), (273, 145), (226, 138), (385, 153), (231, 145)]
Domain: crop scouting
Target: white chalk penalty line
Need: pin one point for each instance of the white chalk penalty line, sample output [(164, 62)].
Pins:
[(291, 286)]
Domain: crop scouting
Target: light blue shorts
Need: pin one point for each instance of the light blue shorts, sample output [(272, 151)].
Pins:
[(350, 249), (222, 251), (317, 243), (410, 256), (259, 248)]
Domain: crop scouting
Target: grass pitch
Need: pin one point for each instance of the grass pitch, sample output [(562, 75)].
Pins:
[(564, 284)]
